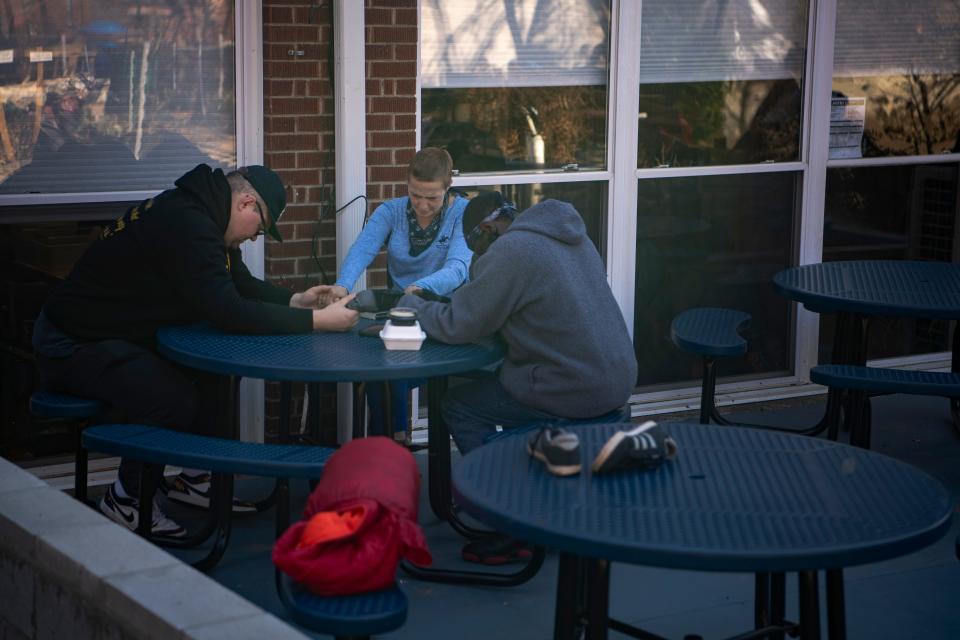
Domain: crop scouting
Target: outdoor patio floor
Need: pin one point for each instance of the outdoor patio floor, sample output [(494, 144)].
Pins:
[(914, 596)]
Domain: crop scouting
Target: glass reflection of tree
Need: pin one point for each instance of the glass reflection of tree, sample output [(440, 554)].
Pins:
[(504, 120), (491, 128), (128, 82), (919, 115)]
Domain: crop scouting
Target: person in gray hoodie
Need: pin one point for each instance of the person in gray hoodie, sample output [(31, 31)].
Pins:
[(538, 281)]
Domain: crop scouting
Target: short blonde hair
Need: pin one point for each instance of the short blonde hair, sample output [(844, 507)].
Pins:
[(431, 164)]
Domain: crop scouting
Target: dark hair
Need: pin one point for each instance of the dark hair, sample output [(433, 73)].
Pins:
[(431, 164), (481, 206)]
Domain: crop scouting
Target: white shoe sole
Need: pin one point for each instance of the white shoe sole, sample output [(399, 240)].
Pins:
[(616, 439), (557, 470), (118, 517), (193, 498)]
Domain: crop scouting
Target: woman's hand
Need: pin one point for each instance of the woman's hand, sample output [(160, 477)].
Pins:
[(311, 298), (330, 294), (336, 316)]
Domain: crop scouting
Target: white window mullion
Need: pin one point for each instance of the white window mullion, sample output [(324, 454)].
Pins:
[(624, 105), (249, 84), (351, 163), (819, 84)]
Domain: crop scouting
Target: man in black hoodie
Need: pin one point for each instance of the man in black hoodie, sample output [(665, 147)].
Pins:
[(537, 281), (173, 259)]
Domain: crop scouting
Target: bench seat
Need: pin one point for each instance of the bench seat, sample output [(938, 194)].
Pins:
[(344, 616), (46, 404), (354, 616), (879, 380), (710, 331), (163, 446)]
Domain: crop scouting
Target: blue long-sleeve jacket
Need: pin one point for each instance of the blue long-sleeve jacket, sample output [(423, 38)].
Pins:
[(441, 268)]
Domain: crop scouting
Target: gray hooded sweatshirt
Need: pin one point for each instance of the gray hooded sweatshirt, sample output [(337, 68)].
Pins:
[(542, 286)]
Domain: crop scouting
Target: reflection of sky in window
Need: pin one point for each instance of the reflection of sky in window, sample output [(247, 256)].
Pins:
[(703, 40), (493, 43), (892, 37)]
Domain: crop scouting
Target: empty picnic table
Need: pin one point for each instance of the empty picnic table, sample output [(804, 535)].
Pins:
[(734, 500), (858, 290)]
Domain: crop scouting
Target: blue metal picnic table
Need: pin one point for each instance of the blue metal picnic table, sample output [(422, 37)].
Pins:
[(860, 289), (734, 499), (901, 288), (351, 357), (337, 357)]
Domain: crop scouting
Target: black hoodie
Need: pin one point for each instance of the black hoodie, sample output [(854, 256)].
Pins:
[(164, 262)]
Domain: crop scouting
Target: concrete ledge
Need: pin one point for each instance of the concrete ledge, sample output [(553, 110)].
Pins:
[(68, 572)]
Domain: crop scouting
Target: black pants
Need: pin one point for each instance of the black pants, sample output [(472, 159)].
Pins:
[(141, 387)]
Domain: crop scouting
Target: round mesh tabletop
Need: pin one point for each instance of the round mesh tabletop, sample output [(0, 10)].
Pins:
[(319, 356), (734, 499), (876, 287)]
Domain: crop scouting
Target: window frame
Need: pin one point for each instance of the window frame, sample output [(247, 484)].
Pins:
[(623, 174), (248, 116)]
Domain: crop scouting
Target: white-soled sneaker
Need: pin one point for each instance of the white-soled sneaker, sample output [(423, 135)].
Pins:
[(126, 511), (643, 447), (194, 491)]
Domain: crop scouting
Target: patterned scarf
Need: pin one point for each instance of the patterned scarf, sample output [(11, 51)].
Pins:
[(421, 239)]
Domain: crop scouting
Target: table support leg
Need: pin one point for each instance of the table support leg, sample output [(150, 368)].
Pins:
[(229, 392), (438, 450), (313, 413), (809, 606), (769, 604), (441, 503), (567, 611), (836, 606), (221, 488), (598, 599), (359, 410), (387, 428), (955, 368), (283, 484), (761, 600), (438, 462), (286, 395), (778, 602)]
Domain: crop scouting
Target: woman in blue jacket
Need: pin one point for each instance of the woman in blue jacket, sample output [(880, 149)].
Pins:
[(425, 251)]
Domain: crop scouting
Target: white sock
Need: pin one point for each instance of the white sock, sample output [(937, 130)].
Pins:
[(118, 489)]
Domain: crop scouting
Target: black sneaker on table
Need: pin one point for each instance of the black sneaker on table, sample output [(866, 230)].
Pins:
[(557, 448), (646, 446)]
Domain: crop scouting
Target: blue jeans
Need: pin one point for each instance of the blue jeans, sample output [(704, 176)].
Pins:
[(473, 410), (399, 404)]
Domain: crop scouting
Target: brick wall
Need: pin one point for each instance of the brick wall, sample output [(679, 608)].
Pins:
[(299, 133), (299, 136)]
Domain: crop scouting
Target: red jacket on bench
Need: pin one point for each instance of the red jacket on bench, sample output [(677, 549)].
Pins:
[(358, 523)]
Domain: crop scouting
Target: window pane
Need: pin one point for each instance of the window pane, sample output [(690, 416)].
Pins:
[(106, 95), (588, 198), (720, 83), (902, 60), (516, 86), (711, 242), (892, 213)]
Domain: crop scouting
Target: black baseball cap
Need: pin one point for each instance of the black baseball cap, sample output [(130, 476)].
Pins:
[(272, 192), (481, 206)]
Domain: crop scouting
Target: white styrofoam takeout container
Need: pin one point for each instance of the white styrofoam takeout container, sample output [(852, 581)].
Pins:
[(408, 338)]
